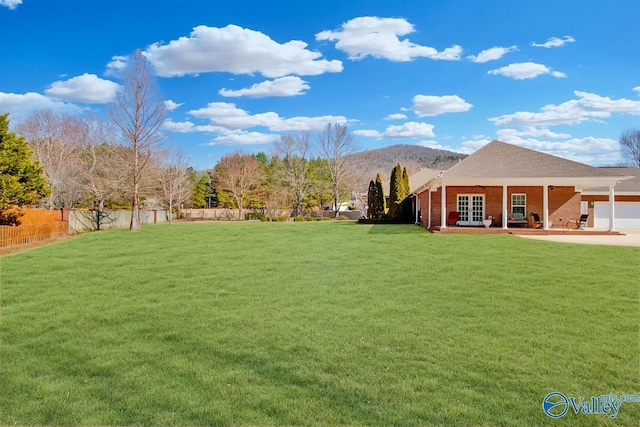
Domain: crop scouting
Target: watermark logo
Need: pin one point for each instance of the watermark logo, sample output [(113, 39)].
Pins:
[(556, 404)]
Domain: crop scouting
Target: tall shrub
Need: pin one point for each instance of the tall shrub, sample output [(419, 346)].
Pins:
[(395, 191), (381, 200), (372, 200)]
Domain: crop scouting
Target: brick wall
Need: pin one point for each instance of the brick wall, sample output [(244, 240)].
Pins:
[(564, 202)]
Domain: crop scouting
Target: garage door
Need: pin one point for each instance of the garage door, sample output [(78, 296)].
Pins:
[(627, 214)]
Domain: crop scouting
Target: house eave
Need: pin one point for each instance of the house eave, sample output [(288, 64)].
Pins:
[(578, 182)]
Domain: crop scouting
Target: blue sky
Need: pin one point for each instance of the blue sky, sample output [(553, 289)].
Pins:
[(559, 77)]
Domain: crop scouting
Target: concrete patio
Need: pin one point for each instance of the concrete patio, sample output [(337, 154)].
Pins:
[(590, 235)]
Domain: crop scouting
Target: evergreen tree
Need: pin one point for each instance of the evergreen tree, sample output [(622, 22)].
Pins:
[(372, 200), (201, 190), (405, 184), (21, 180), (395, 191), (381, 200)]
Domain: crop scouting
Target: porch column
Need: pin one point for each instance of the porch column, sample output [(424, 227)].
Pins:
[(443, 207), (612, 209), (429, 211), (505, 205), (417, 202), (545, 207)]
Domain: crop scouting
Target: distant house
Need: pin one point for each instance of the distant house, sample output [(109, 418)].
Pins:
[(508, 182)]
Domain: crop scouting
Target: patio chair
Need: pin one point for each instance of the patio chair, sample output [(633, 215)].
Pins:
[(453, 218), (582, 222), (536, 220)]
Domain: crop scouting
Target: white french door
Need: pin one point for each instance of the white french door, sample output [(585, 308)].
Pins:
[(471, 208)]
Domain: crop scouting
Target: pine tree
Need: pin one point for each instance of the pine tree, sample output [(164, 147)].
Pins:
[(21, 180)]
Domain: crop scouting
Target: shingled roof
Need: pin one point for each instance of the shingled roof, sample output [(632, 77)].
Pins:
[(499, 163), (626, 186), (501, 160)]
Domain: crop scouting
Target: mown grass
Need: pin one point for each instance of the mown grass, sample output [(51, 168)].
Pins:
[(314, 323)]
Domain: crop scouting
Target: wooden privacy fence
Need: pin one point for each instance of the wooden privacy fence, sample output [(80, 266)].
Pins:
[(29, 233), (35, 225)]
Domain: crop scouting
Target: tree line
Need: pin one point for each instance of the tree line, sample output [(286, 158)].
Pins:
[(302, 173), (65, 161)]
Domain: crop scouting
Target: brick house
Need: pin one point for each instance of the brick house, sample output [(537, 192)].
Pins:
[(502, 180)]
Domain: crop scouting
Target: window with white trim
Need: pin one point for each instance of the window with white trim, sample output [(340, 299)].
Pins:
[(519, 204)]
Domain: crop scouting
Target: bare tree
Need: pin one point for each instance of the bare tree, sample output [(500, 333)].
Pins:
[(101, 169), (175, 181), (239, 174), (55, 139), (138, 111), (630, 143), (335, 144), (294, 150)]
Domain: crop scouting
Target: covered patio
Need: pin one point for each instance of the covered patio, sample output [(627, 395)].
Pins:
[(501, 183)]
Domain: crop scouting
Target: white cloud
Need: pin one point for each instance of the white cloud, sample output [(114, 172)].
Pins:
[(589, 150), (20, 106), (306, 124), (427, 105), (525, 70), (409, 130), (284, 86), (452, 53), (227, 115), (243, 138), (587, 107), (170, 105), (116, 66), (379, 37), (554, 42), (396, 117), (437, 146), (492, 54), (179, 127), (236, 50), (637, 88), (11, 4), (367, 133), (87, 88), (509, 134)]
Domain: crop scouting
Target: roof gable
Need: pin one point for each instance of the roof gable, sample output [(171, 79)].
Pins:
[(501, 160), (422, 176)]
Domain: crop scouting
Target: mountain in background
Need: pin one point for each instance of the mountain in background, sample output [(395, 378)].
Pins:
[(413, 157)]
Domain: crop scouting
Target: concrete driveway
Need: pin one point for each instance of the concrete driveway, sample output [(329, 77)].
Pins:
[(631, 238)]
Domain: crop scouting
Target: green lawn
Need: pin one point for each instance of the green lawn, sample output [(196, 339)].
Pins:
[(314, 323)]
